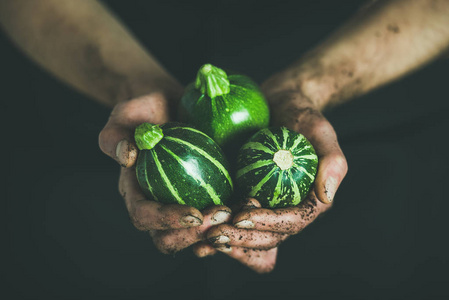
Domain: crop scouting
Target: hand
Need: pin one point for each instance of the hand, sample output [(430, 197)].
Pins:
[(257, 232), (172, 227), (220, 237)]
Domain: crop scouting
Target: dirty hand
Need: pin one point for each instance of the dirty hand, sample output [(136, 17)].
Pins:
[(256, 232), (172, 226)]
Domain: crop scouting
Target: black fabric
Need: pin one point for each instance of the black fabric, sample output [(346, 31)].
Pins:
[(67, 232)]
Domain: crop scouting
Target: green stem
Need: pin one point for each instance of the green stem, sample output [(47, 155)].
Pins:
[(212, 80), (147, 136)]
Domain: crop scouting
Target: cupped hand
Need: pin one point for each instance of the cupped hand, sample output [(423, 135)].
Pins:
[(173, 227), (256, 232)]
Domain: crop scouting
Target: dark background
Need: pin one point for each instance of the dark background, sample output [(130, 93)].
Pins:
[(67, 232)]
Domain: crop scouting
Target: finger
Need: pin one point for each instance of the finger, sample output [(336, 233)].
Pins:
[(118, 143), (332, 168), (300, 115), (172, 241), (290, 220), (203, 249), (248, 203), (245, 205), (261, 261), (229, 235), (117, 137), (332, 165), (249, 239), (148, 215), (226, 236)]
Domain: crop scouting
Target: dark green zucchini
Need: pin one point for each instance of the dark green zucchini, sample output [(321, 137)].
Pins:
[(227, 107), (180, 164), (277, 166)]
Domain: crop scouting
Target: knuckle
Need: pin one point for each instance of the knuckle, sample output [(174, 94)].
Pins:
[(138, 224), (338, 163), (140, 218), (128, 108), (153, 105), (342, 163)]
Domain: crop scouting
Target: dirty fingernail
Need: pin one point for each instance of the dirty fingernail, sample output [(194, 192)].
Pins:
[(250, 204), (244, 224), (224, 248), (125, 153), (221, 239), (190, 221), (219, 217), (330, 188)]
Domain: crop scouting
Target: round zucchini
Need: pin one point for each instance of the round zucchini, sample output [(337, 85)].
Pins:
[(180, 164), (277, 166), (227, 107)]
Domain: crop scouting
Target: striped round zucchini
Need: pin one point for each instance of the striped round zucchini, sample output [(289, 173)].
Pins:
[(179, 164), (277, 166)]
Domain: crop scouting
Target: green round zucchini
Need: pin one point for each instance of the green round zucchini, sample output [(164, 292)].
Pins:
[(227, 107), (180, 164), (277, 166)]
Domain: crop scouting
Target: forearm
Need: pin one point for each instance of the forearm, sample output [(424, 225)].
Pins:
[(84, 45), (380, 44)]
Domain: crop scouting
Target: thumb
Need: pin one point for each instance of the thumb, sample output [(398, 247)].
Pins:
[(118, 143), (332, 168), (332, 165), (117, 137)]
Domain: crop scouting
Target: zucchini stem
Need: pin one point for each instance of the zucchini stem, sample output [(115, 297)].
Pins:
[(147, 136), (284, 159), (212, 81)]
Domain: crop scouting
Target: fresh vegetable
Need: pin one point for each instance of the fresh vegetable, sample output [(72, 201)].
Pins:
[(180, 164), (226, 106), (277, 166)]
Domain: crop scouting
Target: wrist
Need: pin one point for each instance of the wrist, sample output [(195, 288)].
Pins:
[(307, 79)]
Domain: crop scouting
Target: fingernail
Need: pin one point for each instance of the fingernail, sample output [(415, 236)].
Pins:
[(122, 152), (224, 248), (330, 187), (249, 204), (244, 224), (126, 153), (219, 217), (190, 221), (221, 239)]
